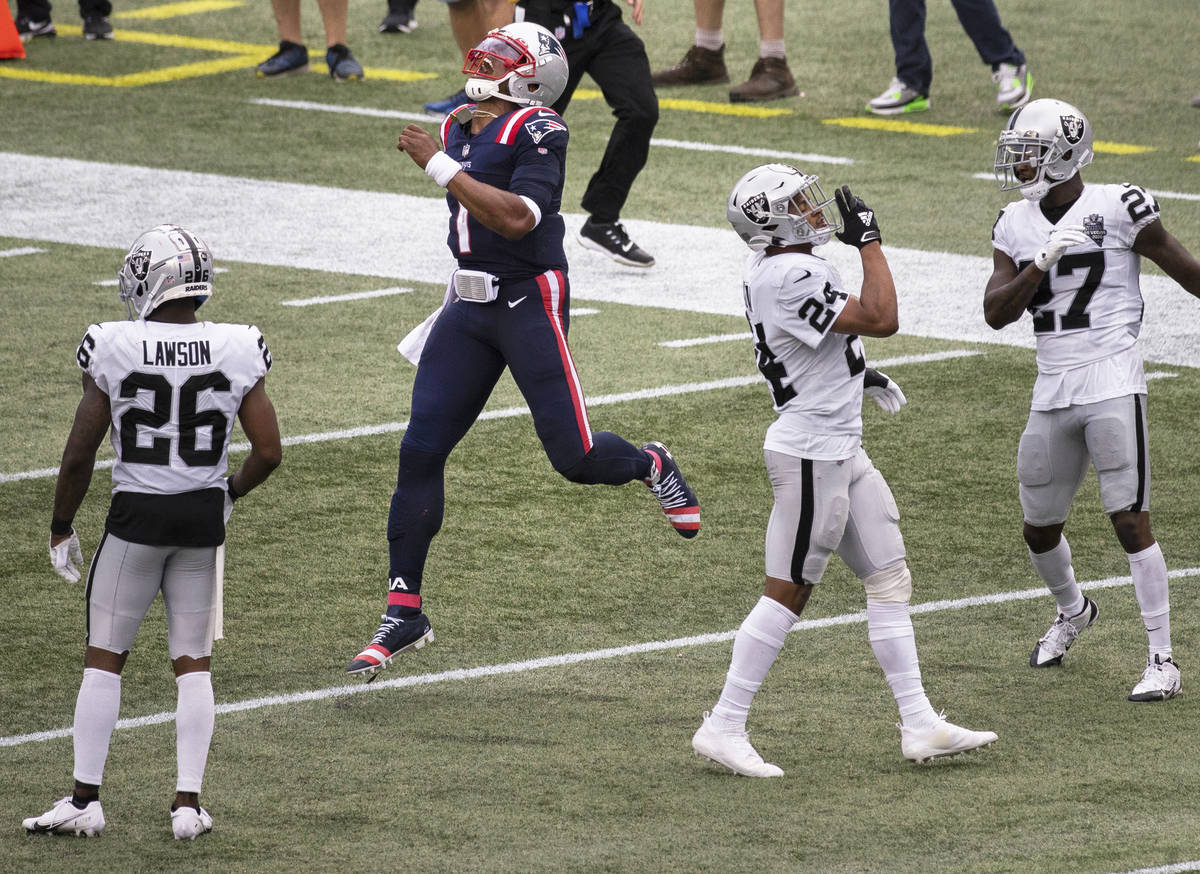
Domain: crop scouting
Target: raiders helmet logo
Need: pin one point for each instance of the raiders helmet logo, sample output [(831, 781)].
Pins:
[(139, 264), (541, 127), (756, 209), (1072, 128), (1093, 226)]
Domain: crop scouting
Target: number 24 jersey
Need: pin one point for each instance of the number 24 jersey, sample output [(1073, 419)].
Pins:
[(815, 375), (174, 391)]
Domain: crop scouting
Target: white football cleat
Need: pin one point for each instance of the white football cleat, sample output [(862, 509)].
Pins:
[(1058, 639), (64, 818), (943, 738), (1159, 681), (188, 824), (731, 749)]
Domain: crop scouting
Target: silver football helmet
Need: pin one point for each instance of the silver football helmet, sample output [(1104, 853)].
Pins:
[(164, 263), (523, 54), (1046, 142), (778, 205)]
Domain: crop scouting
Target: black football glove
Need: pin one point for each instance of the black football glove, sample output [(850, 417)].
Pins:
[(858, 220)]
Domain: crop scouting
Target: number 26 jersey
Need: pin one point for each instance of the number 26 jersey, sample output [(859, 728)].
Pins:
[(815, 375), (174, 391), (1087, 311)]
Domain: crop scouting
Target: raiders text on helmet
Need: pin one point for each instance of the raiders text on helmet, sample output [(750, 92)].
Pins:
[(778, 205)]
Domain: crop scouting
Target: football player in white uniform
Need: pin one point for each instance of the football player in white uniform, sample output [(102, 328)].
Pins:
[(169, 386), (828, 495), (1070, 254)]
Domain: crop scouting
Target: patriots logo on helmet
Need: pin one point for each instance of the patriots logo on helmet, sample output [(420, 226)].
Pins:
[(548, 45), (1093, 226), (1072, 127), (541, 127), (139, 264), (757, 209)]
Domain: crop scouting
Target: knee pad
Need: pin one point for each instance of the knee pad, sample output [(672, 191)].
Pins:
[(892, 585)]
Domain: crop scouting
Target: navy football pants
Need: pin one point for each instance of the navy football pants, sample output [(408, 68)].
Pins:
[(525, 329)]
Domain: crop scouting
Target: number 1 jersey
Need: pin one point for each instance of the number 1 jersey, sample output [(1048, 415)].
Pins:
[(815, 375), (1087, 312), (174, 391)]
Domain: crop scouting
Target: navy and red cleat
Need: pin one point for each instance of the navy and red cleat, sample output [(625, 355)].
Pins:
[(394, 636), (674, 495)]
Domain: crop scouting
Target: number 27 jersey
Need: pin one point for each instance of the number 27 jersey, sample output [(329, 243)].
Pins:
[(174, 392), (815, 375)]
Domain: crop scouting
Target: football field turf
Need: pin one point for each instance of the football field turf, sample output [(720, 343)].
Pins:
[(578, 638)]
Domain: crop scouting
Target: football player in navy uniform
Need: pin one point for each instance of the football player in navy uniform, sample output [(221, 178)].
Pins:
[(829, 497), (168, 386), (1070, 254), (501, 160)]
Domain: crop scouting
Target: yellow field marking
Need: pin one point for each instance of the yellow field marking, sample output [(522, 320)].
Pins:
[(698, 106), (904, 127), (244, 55), (1119, 148), (174, 10), (1194, 159)]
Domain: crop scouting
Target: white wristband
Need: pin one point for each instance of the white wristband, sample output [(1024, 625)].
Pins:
[(442, 168)]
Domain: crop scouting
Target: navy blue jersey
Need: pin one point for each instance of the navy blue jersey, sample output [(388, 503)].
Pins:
[(523, 152)]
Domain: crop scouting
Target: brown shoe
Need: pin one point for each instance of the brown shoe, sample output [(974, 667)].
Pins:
[(769, 80), (698, 67)]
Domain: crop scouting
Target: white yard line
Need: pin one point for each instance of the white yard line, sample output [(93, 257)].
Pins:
[(574, 658), (24, 250), (339, 298), (1177, 868), (402, 239), (597, 401), (803, 157)]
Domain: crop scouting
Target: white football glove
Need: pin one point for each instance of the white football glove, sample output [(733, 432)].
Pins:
[(228, 500), (1060, 240), (885, 392), (67, 558)]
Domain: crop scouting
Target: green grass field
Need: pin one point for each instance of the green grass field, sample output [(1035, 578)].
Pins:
[(548, 727)]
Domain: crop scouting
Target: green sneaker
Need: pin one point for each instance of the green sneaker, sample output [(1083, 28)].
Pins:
[(898, 99), (1015, 84)]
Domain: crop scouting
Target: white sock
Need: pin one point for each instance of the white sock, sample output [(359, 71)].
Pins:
[(772, 48), (1149, 570), (1054, 567), (713, 40), (755, 648), (96, 711), (890, 630), (195, 714)]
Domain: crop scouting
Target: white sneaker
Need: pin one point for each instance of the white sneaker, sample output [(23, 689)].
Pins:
[(1058, 639), (1159, 682), (897, 99), (64, 818), (188, 824), (943, 738), (1015, 86), (731, 749)]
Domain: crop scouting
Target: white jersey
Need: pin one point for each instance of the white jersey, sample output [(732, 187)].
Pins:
[(174, 391), (815, 375), (1087, 313)]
